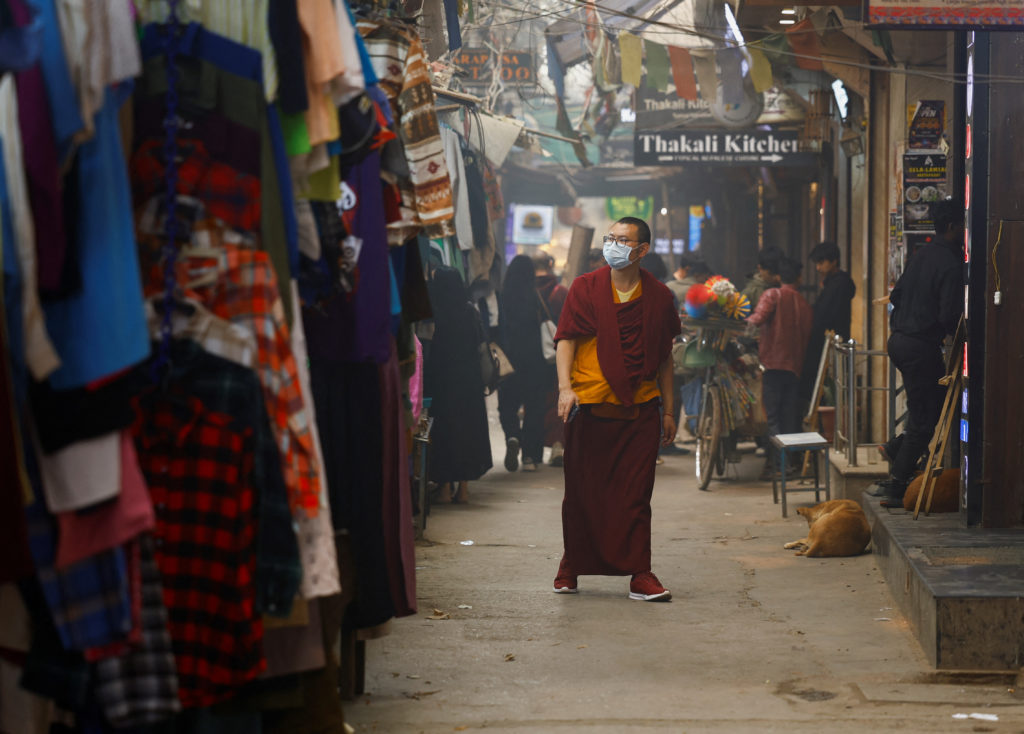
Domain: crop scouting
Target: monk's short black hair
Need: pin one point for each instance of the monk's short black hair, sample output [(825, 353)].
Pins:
[(825, 251), (643, 231)]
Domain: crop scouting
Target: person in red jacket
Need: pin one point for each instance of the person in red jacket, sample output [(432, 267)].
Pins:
[(784, 317)]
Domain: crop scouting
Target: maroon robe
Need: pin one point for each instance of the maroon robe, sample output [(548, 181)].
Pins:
[(633, 339), (609, 463)]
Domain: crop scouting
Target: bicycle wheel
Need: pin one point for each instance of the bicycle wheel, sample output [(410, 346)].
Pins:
[(709, 427), (720, 458)]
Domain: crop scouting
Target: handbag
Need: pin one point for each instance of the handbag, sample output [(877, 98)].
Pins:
[(547, 334), (505, 367), (489, 367), (490, 356)]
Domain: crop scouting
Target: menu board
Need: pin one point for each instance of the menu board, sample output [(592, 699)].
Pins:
[(924, 182)]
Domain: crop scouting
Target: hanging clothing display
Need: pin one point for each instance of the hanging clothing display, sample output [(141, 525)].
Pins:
[(211, 277)]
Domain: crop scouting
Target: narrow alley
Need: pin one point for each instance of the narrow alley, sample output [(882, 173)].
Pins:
[(754, 639)]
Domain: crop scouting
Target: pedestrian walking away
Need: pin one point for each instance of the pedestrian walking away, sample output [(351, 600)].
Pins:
[(614, 360), (927, 303), (519, 319), (460, 443)]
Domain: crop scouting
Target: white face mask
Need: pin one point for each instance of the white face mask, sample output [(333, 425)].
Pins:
[(617, 255)]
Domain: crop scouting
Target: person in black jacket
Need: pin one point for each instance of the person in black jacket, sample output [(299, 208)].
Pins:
[(927, 303), (831, 310), (460, 450), (519, 320)]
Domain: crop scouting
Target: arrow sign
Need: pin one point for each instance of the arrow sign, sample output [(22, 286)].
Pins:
[(771, 158)]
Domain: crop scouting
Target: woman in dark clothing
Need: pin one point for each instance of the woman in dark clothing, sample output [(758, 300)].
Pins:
[(460, 448), (519, 320)]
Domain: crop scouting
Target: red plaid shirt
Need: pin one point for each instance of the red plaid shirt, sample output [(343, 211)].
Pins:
[(198, 465), (246, 293), (228, 195)]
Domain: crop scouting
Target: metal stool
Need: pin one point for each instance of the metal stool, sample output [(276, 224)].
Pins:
[(796, 443)]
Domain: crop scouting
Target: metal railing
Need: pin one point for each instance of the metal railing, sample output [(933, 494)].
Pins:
[(850, 372)]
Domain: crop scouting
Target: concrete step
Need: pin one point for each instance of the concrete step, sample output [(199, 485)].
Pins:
[(961, 589)]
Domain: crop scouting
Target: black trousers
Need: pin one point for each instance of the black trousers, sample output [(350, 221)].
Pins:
[(920, 363), (529, 392), (781, 394)]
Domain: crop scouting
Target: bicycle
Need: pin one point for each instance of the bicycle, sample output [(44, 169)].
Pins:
[(730, 407)]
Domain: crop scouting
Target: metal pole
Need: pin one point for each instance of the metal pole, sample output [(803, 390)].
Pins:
[(892, 400), (837, 395), (851, 395)]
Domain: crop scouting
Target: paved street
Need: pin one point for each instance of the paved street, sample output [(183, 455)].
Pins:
[(755, 639)]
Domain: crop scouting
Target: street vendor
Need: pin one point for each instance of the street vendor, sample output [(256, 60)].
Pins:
[(614, 363)]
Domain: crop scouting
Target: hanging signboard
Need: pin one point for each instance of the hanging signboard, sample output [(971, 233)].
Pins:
[(926, 124), (517, 67), (924, 182), (953, 14), (618, 207), (720, 148), (664, 110), (532, 225)]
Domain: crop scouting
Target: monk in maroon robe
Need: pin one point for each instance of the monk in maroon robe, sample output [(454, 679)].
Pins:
[(614, 359)]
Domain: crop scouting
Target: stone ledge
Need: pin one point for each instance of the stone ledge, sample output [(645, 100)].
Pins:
[(849, 482), (961, 589)]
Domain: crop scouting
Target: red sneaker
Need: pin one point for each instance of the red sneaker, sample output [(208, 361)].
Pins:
[(565, 582), (646, 587)]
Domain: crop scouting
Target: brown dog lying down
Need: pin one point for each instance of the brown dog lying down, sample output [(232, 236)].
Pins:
[(835, 528)]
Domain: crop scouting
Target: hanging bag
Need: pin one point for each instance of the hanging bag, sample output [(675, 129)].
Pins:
[(494, 365), (547, 334)]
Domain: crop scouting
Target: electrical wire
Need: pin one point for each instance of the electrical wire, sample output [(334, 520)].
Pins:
[(571, 15)]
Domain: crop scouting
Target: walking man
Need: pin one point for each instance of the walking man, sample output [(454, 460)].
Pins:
[(927, 304), (614, 360), (785, 320)]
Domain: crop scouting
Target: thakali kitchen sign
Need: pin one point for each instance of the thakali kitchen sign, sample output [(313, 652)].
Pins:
[(720, 148)]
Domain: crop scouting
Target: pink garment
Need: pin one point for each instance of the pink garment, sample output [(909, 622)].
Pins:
[(396, 505), (84, 533), (416, 383)]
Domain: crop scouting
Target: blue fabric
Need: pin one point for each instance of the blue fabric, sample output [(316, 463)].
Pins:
[(690, 397), (20, 48), (555, 70), (101, 330), (89, 600), (396, 298), (379, 96), (200, 43), (284, 185), (65, 114), (12, 293), (451, 15), (730, 62), (369, 75)]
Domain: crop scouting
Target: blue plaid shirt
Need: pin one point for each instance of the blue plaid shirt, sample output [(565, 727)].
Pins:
[(89, 600)]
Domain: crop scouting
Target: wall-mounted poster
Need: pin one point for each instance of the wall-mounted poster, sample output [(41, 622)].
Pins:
[(926, 125), (924, 182), (532, 224)]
